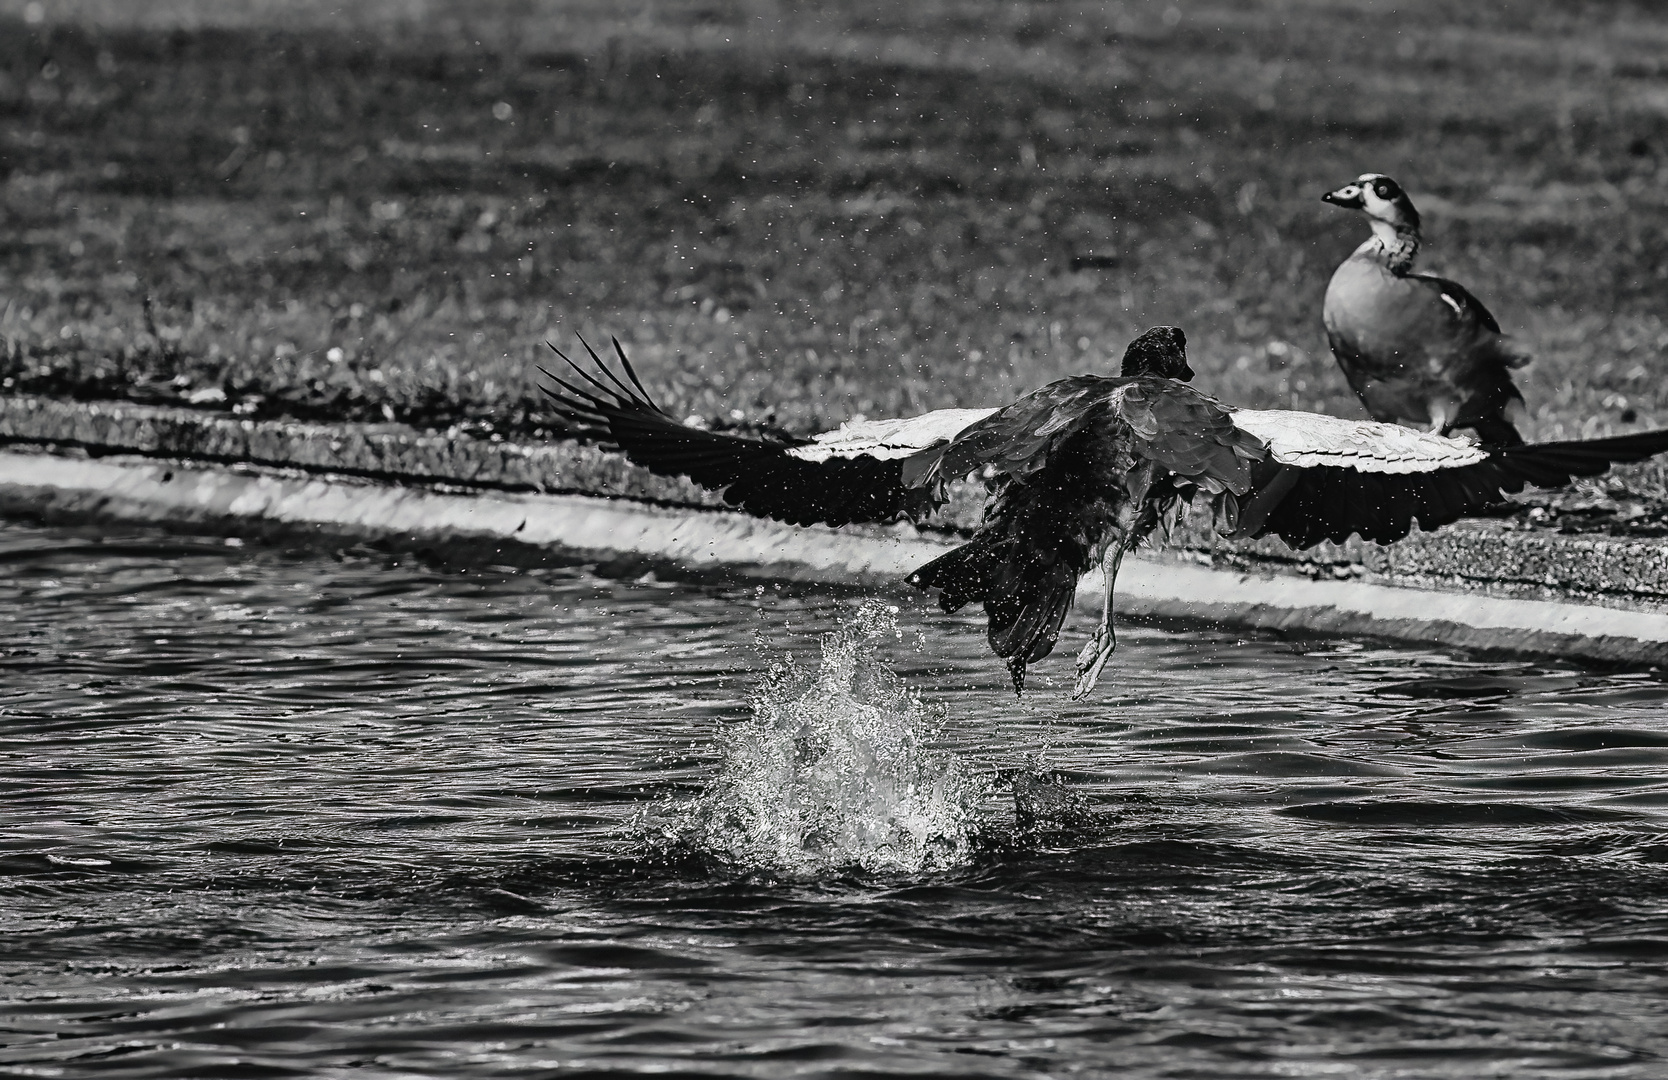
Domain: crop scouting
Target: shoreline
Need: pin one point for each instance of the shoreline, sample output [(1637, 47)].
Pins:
[(1478, 586)]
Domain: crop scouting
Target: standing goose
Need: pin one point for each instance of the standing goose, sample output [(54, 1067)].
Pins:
[(1080, 471), (1416, 347)]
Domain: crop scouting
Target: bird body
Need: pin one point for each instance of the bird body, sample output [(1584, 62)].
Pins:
[(1415, 347), (1083, 469)]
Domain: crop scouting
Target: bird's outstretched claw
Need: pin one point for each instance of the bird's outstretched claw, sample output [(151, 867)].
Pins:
[(1093, 658)]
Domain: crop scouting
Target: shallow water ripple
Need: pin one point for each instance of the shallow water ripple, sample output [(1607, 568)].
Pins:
[(268, 812)]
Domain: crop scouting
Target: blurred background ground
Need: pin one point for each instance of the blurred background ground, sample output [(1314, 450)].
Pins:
[(803, 212)]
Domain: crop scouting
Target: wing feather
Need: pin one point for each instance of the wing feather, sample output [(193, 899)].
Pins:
[(1016, 438), (1175, 426), (1460, 298), (1311, 439), (1334, 501), (1191, 435), (761, 476), (884, 439)]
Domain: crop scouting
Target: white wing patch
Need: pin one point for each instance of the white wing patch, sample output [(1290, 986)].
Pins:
[(1459, 309), (1310, 439), (887, 439)]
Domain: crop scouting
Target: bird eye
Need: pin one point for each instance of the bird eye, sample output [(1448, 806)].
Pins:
[(1385, 189)]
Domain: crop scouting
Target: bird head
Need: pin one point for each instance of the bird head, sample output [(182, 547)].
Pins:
[(1380, 198), (1161, 352)]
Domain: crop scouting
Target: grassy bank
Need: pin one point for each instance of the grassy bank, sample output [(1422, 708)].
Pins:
[(876, 208)]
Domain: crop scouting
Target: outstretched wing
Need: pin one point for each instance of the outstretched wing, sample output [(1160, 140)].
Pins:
[(827, 480), (1346, 477)]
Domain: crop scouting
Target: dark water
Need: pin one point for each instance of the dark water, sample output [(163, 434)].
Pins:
[(269, 814)]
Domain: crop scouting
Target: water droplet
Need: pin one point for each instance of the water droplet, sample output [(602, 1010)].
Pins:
[(835, 771)]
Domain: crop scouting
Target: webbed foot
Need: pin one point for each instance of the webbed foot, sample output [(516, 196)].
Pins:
[(1093, 658)]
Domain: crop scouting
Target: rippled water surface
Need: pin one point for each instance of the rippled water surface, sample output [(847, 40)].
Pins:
[(270, 813)]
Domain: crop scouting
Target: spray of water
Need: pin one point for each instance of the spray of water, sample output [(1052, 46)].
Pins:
[(832, 772)]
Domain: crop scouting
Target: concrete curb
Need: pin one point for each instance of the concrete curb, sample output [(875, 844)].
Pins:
[(1485, 557), (576, 526), (596, 529)]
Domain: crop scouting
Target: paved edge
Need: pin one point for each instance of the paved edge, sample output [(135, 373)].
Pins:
[(591, 528), (1478, 557)]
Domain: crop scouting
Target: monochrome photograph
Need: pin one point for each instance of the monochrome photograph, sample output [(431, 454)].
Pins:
[(1009, 539)]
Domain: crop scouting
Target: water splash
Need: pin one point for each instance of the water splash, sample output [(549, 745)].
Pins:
[(833, 772)]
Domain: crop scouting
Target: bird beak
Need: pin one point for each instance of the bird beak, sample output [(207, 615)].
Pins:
[(1186, 373), (1348, 197)]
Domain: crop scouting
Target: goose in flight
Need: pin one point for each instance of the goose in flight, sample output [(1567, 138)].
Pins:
[(1416, 347), (1081, 470)]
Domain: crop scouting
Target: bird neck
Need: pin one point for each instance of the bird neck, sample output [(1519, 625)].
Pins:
[(1396, 246)]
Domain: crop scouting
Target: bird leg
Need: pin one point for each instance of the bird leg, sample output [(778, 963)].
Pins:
[(1099, 649)]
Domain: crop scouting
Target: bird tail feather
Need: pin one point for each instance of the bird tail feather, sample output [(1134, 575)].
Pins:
[(1026, 588)]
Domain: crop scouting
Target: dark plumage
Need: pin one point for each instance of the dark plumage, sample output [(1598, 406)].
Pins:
[(1416, 347), (754, 474), (1080, 471), (1083, 469)]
